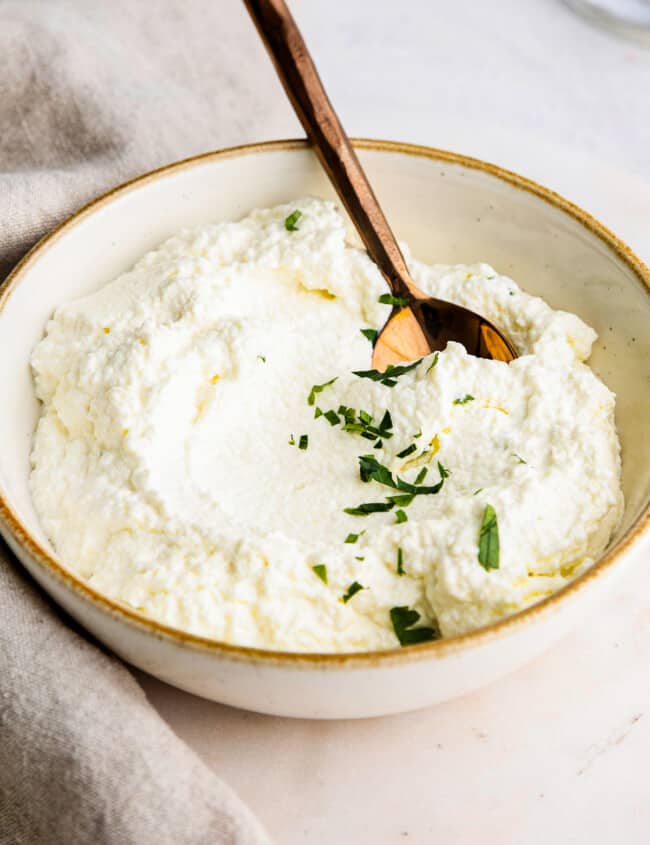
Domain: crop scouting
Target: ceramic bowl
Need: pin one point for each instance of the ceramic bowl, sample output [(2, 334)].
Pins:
[(449, 209)]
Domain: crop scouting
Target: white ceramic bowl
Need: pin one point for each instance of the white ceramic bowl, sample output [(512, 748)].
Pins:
[(448, 208)]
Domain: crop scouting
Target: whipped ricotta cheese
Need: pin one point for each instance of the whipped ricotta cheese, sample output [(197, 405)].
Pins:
[(181, 466)]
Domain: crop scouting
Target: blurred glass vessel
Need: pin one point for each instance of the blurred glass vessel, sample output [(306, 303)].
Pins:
[(627, 17)]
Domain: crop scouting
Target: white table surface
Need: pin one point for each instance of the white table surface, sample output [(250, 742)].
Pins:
[(558, 752)]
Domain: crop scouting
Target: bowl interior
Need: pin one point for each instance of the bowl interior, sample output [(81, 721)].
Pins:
[(445, 209)]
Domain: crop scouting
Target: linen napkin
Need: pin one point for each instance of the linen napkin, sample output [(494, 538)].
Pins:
[(92, 93)]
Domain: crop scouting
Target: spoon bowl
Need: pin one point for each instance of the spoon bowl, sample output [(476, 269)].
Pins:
[(427, 325)]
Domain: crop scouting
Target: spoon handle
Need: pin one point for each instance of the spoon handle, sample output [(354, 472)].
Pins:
[(299, 76)]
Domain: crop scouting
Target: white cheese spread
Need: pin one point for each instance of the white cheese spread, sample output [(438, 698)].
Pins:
[(179, 467)]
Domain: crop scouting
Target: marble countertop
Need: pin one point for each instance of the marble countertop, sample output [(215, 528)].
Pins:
[(557, 752)]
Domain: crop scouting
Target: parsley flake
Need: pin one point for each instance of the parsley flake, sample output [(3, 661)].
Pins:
[(400, 562), (389, 299), (466, 398), (400, 516), (371, 470), (488, 541), (389, 376), (262, 358), (520, 460), (408, 451), (303, 442), (292, 220), (318, 388), (332, 417), (371, 334), (292, 441), (354, 588), (321, 570), (369, 507), (403, 619), (433, 363), (352, 538)]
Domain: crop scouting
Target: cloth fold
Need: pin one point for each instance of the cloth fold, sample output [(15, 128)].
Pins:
[(91, 94), (84, 758)]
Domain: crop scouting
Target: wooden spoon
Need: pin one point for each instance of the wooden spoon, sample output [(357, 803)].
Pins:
[(418, 324)]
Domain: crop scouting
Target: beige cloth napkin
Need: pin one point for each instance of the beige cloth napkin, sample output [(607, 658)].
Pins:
[(92, 93)]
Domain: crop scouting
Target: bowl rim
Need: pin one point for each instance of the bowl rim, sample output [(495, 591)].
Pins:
[(45, 560)]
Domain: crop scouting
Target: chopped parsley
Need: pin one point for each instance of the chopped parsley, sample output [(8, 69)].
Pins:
[(352, 538), (408, 451), (402, 501), (290, 224), (354, 588), (466, 398), (362, 425), (488, 540), (389, 299), (400, 562), (419, 434), (520, 460), (371, 470), (444, 472), (400, 516), (403, 619), (319, 388), (476, 492), (262, 358), (433, 363), (389, 376), (321, 570), (369, 507), (371, 334), (359, 557), (303, 442), (292, 441), (332, 417)]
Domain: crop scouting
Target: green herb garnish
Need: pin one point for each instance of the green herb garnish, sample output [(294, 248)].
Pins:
[(433, 363), (476, 492), (352, 538), (401, 501), (362, 425), (488, 540), (359, 557), (389, 299), (291, 221), (400, 516), (321, 570), (403, 619), (332, 417), (369, 507), (520, 460), (371, 334), (303, 442), (318, 388), (444, 472), (466, 398), (408, 451), (371, 470), (354, 588), (292, 441), (262, 358), (389, 376), (400, 563)]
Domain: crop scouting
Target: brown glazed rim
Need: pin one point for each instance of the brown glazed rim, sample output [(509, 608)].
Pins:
[(44, 559)]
